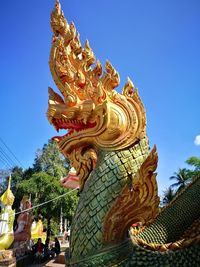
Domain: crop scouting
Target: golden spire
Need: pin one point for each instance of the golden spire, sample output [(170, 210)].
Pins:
[(76, 72), (8, 198)]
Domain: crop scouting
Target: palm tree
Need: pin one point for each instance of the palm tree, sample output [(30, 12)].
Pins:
[(182, 178), (168, 196), (194, 162)]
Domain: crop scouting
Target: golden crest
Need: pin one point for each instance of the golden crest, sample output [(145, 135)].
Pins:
[(94, 115)]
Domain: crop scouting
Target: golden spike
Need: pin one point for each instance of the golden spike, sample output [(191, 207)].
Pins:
[(97, 71), (110, 78), (128, 88), (70, 36), (88, 55), (70, 64), (59, 24), (9, 182), (73, 29), (53, 96), (8, 198), (62, 70), (76, 44)]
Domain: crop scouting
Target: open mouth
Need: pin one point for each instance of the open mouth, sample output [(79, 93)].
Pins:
[(71, 126)]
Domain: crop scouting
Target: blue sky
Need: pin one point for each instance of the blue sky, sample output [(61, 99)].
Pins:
[(155, 43)]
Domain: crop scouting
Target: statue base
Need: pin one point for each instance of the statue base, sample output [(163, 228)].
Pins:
[(7, 259), (8, 263)]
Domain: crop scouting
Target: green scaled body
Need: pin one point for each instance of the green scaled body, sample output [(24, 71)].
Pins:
[(107, 147), (102, 188)]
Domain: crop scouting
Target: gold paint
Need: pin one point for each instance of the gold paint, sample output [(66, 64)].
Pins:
[(84, 161), (37, 231), (6, 255), (6, 241), (88, 97), (180, 244), (7, 237), (7, 198), (119, 120), (136, 204)]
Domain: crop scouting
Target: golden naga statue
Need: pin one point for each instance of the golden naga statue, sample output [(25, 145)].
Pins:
[(107, 145), (95, 115), (7, 217)]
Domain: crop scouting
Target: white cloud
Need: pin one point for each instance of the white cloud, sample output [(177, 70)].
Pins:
[(197, 140)]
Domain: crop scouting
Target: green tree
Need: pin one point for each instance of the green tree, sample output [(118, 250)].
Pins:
[(3, 179), (42, 183), (50, 160), (168, 196), (17, 175), (182, 178), (43, 187), (195, 163)]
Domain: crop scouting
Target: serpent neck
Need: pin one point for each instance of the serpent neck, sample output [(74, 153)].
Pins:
[(100, 191)]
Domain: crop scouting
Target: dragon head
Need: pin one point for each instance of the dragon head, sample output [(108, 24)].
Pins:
[(94, 115)]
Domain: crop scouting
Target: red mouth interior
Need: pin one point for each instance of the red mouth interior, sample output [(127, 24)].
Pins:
[(71, 126)]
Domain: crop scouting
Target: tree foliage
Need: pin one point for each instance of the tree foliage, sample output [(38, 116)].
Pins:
[(42, 183), (43, 187), (168, 196), (182, 178), (50, 160), (17, 178), (195, 163)]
